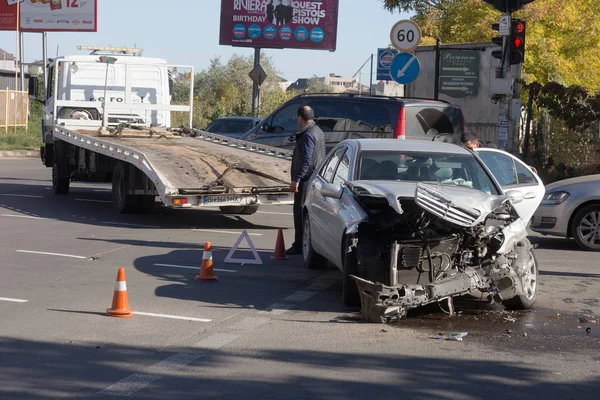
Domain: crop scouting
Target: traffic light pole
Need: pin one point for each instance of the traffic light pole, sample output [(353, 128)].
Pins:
[(255, 87), (503, 114)]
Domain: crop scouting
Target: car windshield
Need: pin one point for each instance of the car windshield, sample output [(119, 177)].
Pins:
[(439, 168), (230, 126)]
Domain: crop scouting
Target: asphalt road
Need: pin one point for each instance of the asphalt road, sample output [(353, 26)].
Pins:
[(269, 331)]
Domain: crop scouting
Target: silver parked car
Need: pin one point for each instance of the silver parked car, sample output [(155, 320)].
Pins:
[(410, 223), (571, 208)]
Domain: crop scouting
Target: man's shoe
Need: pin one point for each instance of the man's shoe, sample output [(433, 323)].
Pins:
[(292, 251)]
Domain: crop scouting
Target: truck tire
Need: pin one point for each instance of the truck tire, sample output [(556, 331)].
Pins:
[(241, 210), (60, 184), (122, 201)]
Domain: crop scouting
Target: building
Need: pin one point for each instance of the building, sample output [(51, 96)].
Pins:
[(7, 61), (336, 84)]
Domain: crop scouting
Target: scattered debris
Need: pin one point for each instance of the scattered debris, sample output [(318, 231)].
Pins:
[(509, 319), (588, 330), (384, 330), (525, 334), (529, 325), (508, 331), (584, 319), (457, 336)]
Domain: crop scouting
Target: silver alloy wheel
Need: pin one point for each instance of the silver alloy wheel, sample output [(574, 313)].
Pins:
[(589, 228), (530, 280), (306, 239)]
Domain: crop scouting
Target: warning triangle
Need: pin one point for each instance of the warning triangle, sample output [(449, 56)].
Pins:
[(230, 260)]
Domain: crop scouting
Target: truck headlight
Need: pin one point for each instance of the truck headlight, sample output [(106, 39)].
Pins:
[(554, 198)]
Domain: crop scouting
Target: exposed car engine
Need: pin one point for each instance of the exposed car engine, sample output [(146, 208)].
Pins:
[(434, 247)]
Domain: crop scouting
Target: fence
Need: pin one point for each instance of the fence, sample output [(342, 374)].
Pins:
[(14, 107)]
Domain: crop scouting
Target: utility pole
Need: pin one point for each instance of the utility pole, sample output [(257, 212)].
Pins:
[(255, 85)]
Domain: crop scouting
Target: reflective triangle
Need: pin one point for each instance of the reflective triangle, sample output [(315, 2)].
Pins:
[(230, 260)]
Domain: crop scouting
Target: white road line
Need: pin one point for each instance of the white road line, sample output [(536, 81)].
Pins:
[(94, 201), (190, 267), (13, 300), (217, 341), (21, 216), (228, 232), (274, 213), (277, 309), (300, 295), (135, 382), (52, 254), (22, 195), (172, 317), (248, 323), (128, 224)]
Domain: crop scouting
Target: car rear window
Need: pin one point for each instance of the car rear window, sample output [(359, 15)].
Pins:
[(340, 116), (426, 121)]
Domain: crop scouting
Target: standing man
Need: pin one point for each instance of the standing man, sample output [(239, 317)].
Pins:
[(469, 140), (309, 153)]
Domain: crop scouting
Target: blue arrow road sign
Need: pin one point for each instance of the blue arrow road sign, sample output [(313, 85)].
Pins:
[(405, 68), (384, 59)]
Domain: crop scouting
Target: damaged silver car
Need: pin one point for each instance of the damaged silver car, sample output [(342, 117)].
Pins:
[(411, 223)]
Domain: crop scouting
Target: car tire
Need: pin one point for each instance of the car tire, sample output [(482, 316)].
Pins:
[(312, 260), (583, 223), (122, 201), (350, 293), (524, 301), (240, 210)]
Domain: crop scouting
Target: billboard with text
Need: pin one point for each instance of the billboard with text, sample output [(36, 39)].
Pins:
[(49, 15), (299, 24)]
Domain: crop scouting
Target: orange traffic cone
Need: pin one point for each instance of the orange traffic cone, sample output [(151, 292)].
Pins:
[(279, 247), (206, 269), (120, 303)]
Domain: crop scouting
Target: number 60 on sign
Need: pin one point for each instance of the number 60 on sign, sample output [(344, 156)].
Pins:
[(405, 35)]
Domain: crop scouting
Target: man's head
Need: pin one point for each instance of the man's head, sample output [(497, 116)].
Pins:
[(305, 115), (469, 139)]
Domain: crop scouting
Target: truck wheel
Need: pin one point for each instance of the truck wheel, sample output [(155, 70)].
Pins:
[(146, 203), (312, 259), (122, 201), (530, 282), (241, 210), (350, 293), (60, 185), (585, 228)]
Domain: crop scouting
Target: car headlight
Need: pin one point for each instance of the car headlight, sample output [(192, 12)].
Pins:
[(554, 198)]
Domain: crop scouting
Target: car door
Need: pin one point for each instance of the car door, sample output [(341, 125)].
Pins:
[(279, 129), (320, 207), (514, 175)]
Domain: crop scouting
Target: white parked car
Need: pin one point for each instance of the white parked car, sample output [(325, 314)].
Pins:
[(414, 222)]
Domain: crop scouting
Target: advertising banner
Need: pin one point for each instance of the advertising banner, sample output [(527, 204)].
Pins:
[(299, 24), (384, 60), (50, 15)]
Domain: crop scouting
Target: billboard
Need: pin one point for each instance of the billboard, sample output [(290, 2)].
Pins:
[(298, 24), (50, 15)]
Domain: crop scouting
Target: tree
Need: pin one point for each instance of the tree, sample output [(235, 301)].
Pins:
[(563, 38), (318, 85)]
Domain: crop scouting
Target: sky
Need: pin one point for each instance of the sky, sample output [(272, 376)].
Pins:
[(187, 33)]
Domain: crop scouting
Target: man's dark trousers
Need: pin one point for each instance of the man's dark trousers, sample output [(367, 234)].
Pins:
[(298, 203)]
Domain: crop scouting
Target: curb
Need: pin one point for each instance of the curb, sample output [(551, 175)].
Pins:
[(19, 153)]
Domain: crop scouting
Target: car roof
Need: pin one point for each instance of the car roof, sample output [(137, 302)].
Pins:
[(407, 145), (369, 97), (237, 117)]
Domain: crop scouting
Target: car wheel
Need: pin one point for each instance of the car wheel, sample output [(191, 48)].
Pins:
[(312, 260), (350, 293), (586, 227), (530, 286), (241, 210)]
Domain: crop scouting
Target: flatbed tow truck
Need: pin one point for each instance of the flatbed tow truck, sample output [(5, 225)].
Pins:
[(107, 119)]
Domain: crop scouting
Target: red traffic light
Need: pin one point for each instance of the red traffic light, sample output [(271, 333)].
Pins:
[(518, 42)]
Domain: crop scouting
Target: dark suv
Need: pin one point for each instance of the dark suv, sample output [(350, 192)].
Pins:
[(352, 116)]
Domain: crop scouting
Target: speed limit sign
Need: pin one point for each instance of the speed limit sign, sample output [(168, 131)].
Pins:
[(405, 35)]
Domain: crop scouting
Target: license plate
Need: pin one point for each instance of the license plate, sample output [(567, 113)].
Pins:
[(221, 199)]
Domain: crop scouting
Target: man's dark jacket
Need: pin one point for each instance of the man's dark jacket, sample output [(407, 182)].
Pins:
[(309, 152)]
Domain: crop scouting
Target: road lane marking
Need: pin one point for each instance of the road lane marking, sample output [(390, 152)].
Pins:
[(248, 323), (94, 201), (217, 341), (22, 195), (13, 300), (128, 224), (135, 382), (300, 295), (52, 254), (173, 317), (190, 267), (274, 213), (277, 308), (21, 216), (228, 232)]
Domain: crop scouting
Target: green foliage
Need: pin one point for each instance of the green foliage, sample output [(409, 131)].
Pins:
[(316, 85), (19, 138)]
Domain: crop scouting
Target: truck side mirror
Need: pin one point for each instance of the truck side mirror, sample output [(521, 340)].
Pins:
[(33, 87)]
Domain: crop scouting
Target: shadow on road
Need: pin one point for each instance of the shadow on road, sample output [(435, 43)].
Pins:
[(554, 243), (40, 370)]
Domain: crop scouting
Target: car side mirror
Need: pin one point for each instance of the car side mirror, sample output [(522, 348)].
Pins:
[(33, 87), (515, 196), (332, 190), (265, 127)]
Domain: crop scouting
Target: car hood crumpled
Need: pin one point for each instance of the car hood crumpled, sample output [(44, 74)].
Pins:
[(461, 206)]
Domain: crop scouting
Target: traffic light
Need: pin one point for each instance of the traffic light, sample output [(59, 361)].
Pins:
[(517, 42), (508, 5), (498, 41)]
